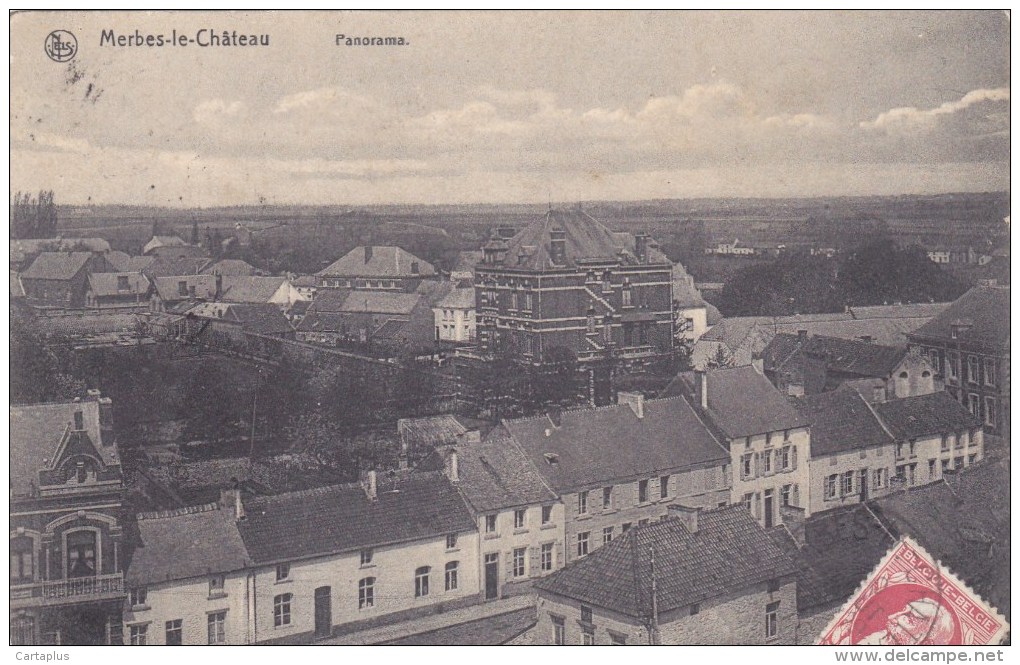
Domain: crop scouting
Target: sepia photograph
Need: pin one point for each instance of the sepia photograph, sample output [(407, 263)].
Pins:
[(510, 328)]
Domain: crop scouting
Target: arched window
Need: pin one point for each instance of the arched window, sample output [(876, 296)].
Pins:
[(22, 560), (366, 593), (451, 576), (903, 375), (926, 374), (421, 582)]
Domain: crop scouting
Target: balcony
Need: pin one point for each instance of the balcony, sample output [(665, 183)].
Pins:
[(69, 591)]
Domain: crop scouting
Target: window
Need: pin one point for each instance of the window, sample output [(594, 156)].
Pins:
[(617, 639), (175, 632), (625, 296), (771, 620), (216, 624), (879, 478), (366, 593), (932, 463), (490, 524), (626, 527), (945, 443), (972, 369), (975, 405), (958, 463), (746, 465), (22, 560), (830, 486), (664, 487), (519, 518), (122, 283), (216, 585), (607, 498), (607, 535), (547, 557), (182, 289), (847, 484), (643, 522), (694, 609), (451, 541), (582, 543), (366, 557), (559, 631), (546, 514), (766, 462), (748, 501), (582, 502), (913, 445), (587, 616), (527, 302), (773, 586), (139, 635), (784, 494), (281, 609), (989, 371), (642, 491), (421, 582), (768, 438), (784, 458), (282, 572), (451, 576), (952, 366), (971, 458), (517, 568), (990, 411), (137, 596)]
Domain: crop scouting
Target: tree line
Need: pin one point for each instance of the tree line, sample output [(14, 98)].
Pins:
[(33, 216)]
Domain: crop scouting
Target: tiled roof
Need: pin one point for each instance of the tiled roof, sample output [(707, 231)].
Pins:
[(229, 267), (925, 415), (392, 329), (458, 298), (842, 421), (847, 356), (341, 518), (380, 302), (105, 283), (322, 322), (57, 265), (168, 287), (384, 261), (330, 300), (586, 238), (261, 318), (250, 289), (741, 402), (20, 249), (611, 444), (305, 280), (119, 261), (430, 431), (138, 264), (170, 267), (434, 290), (729, 553), (191, 542), (985, 309)]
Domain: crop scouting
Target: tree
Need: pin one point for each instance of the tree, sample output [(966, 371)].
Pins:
[(33, 217), (194, 232)]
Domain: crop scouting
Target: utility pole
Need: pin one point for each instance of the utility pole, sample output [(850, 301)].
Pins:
[(653, 633)]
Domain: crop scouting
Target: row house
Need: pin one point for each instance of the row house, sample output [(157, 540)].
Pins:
[(518, 516), (61, 279), (566, 281), (66, 535), (377, 268), (621, 466), (968, 344), (392, 319), (712, 576), (304, 566), (768, 442), (117, 291)]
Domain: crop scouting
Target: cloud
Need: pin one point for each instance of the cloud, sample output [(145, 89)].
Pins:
[(906, 119), (216, 109)]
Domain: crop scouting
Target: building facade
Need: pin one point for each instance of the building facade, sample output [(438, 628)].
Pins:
[(377, 268)]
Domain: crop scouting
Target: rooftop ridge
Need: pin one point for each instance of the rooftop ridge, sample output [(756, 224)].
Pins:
[(178, 512)]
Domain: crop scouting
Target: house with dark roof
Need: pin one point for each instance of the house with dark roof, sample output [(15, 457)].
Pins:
[(968, 343), (118, 291), (173, 247), (567, 281), (162, 266), (257, 289), (374, 268), (60, 279), (169, 292), (803, 365), (231, 267), (229, 325), (767, 440), (712, 576), (622, 465), (389, 319), (66, 536)]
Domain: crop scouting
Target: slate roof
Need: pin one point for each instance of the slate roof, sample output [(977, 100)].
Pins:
[(137, 264), (984, 308), (20, 249), (171, 267), (323, 322), (431, 431), (434, 290), (925, 415), (842, 421), (341, 518), (250, 289), (57, 265), (229, 267), (729, 553), (167, 287), (380, 302), (848, 356), (119, 260), (386, 261), (458, 298), (330, 300), (305, 280), (191, 542), (393, 329), (105, 283), (163, 241), (741, 402), (611, 444), (260, 318), (586, 238)]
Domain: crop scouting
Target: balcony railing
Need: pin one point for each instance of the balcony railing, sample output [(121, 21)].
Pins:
[(73, 590)]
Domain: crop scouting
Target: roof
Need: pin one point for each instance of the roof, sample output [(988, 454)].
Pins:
[(57, 265), (168, 287), (728, 553), (163, 241), (250, 289), (458, 298), (203, 479), (434, 290), (842, 421), (586, 239), (384, 261), (305, 280), (24, 247), (229, 267), (119, 260), (36, 431), (161, 266), (380, 302), (467, 260), (260, 318), (136, 264), (430, 431), (106, 283), (322, 322), (984, 309), (849, 356), (190, 542), (925, 415), (17, 289), (585, 449), (684, 291), (341, 518), (741, 402)]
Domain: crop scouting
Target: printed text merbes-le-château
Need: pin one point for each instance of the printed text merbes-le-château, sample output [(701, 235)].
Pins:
[(204, 37)]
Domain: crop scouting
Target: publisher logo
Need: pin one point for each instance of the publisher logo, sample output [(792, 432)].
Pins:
[(60, 45)]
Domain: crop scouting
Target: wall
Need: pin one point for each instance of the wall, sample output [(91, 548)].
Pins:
[(759, 482), (930, 449), (506, 538), (870, 459), (190, 601)]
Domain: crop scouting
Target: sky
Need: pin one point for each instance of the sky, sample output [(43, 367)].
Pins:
[(508, 107)]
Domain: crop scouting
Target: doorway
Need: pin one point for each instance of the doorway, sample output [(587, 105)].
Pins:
[(769, 500), (491, 576), (323, 612)]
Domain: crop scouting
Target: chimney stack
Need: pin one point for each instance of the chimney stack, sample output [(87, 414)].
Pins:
[(106, 433), (219, 287), (402, 460), (368, 483), (687, 515), (453, 466), (635, 400), (558, 247), (368, 253), (238, 506), (701, 387), (801, 336), (641, 247)]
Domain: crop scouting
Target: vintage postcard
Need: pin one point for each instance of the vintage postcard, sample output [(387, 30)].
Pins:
[(509, 328)]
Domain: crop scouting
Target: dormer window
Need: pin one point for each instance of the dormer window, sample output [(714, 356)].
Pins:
[(79, 421), (182, 289), (122, 283)]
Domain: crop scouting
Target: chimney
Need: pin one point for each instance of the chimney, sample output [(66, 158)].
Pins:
[(368, 253), (402, 460), (106, 434), (558, 247), (801, 336), (414, 267), (219, 287), (453, 466), (687, 515), (79, 420), (368, 483), (471, 436), (238, 506), (641, 247), (92, 395), (701, 387), (635, 400)]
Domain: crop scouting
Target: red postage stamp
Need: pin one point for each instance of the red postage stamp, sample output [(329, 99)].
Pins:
[(909, 599)]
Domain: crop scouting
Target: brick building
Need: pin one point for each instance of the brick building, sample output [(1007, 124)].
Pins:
[(61, 279), (566, 281), (968, 343), (66, 536), (716, 575)]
